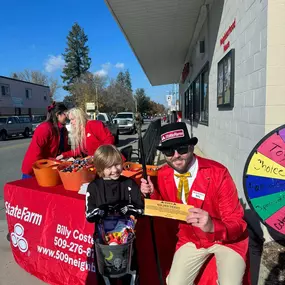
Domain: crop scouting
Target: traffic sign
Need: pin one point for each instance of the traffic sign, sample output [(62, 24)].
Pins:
[(169, 98)]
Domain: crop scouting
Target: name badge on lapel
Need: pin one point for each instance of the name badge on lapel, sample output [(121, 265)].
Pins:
[(198, 195)]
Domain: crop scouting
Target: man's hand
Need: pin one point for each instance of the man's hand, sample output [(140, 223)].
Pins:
[(147, 186), (200, 219), (59, 157)]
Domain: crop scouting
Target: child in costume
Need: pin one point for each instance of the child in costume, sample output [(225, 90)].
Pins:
[(119, 198), (111, 192)]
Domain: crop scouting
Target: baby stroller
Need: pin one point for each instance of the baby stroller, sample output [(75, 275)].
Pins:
[(115, 250)]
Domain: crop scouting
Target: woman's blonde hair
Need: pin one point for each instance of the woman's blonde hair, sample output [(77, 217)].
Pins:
[(106, 156), (77, 132)]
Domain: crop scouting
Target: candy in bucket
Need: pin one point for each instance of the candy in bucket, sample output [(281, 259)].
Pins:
[(73, 175), (114, 246)]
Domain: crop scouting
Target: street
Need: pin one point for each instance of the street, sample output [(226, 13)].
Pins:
[(12, 152)]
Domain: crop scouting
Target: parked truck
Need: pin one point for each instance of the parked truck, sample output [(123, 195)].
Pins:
[(13, 126), (126, 122), (112, 126)]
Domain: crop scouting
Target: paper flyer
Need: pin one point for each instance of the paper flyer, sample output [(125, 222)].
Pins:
[(166, 209)]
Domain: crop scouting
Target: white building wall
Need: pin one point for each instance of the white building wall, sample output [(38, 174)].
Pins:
[(16, 98), (231, 135), (275, 73)]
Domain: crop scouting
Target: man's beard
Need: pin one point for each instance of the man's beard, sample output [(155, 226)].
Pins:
[(186, 166)]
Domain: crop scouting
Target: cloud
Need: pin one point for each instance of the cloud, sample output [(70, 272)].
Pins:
[(120, 65), (104, 70), (101, 73), (106, 66), (54, 63)]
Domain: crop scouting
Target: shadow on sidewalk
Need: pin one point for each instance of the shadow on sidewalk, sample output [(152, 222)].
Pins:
[(277, 273)]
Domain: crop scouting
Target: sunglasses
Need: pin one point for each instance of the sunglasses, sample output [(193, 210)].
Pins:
[(181, 150)]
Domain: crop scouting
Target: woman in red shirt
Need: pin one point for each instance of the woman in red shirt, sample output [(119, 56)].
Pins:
[(86, 136), (49, 140)]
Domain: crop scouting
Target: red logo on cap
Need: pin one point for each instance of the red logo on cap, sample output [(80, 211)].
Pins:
[(172, 135)]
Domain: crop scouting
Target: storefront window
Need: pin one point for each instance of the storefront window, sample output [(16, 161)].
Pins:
[(197, 98), (205, 96), (187, 104)]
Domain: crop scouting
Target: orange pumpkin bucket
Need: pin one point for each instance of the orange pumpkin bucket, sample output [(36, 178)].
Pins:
[(72, 181), (46, 173), (137, 168)]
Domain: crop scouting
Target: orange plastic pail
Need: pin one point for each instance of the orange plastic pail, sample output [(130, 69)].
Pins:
[(137, 168), (46, 173), (72, 181)]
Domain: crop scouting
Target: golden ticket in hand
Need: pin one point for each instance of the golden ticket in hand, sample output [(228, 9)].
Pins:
[(166, 209)]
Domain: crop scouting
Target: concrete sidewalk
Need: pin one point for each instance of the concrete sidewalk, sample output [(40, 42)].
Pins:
[(10, 271)]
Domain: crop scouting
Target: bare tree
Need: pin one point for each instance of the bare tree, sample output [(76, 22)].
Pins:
[(89, 88), (37, 77), (118, 98)]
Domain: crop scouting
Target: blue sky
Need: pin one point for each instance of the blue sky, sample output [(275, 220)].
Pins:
[(33, 36)]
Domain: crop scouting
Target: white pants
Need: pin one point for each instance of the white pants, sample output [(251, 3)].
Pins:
[(188, 260)]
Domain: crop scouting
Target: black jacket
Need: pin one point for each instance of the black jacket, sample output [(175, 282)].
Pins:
[(103, 196)]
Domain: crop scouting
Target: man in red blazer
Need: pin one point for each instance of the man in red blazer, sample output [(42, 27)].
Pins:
[(215, 224)]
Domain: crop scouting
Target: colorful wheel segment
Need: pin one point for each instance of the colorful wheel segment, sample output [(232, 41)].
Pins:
[(264, 179)]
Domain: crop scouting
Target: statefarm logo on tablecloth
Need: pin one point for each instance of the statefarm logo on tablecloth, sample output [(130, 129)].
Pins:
[(23, 214), (172, 135), (17, 238)]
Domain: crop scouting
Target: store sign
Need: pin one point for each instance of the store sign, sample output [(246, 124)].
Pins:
[(17, 102), (185, 72), (223, 40), (90, 106)]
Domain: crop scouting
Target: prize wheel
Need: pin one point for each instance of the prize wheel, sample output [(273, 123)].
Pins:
[(264, 180)]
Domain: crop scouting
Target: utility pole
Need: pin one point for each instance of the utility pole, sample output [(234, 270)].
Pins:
[(136, 103), (96, 101)]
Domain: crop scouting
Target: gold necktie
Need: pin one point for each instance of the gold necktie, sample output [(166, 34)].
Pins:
[(183, 184)]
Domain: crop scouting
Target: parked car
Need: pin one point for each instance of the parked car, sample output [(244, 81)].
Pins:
[(112, 126), (126, 122), (13, 126), (36, 120)]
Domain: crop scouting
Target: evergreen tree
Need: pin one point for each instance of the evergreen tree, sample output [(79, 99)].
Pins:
[(128, 82), (143, 101), (121, 79), (76, 56)]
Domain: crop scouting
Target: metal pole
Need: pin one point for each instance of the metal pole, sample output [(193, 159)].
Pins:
[(143, 162)]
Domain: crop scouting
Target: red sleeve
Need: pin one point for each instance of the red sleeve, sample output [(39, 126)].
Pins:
[(156, 195), (231, 225), (102, 133), (71, 153), (36, 149)]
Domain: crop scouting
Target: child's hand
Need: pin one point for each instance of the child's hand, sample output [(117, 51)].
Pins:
[(147, 186), (131, 210)]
